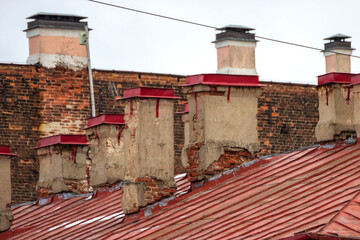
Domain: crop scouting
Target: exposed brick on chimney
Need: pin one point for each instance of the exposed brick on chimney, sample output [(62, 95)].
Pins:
[(34, 100), (287, 117), (231, 158), (294, 112), (155, 189)]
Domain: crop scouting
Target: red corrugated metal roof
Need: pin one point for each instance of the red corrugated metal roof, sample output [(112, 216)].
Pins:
[(68, 216), (346, 223), (269, 198)]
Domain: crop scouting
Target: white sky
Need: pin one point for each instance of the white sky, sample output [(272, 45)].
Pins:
[(124, 40)]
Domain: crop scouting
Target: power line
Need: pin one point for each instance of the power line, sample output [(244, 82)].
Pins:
[(215, 28)]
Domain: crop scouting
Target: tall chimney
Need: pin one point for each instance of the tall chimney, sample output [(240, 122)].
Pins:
[(149, 147), (222, 122), (335, 104), (6, 216), (337, 54), (236, 50), (54, 41), (105, 135)]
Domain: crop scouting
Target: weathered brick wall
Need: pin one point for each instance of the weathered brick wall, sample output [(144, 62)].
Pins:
[(38, 102), (19, 126), (33, 100), (287, 117)]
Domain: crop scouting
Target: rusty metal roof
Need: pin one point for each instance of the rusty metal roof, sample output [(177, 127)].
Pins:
[(346, 222), (70, 216), (269, 198)]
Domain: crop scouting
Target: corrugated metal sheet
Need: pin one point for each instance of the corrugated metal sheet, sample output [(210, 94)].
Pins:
[(68, 216), (346, 222), (269, 198)]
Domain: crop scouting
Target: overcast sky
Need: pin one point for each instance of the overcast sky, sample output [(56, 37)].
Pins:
[(124, 40)]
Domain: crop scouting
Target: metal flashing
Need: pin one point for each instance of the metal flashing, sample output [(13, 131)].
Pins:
[(5, 150), (64, 139), (116, 119), (224, 80), (186, 109), (145, 92), (334, 78)]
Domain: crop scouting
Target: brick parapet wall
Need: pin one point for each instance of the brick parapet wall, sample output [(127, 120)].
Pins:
[(287, 117), (38, 102), (24, 111)]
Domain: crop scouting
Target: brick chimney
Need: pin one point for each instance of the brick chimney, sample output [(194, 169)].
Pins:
[(336, 53), (54, 41), (105, 135), (222, 122), (63, 164), (335, 104), (6, 216), (236, 50), (149, 147)]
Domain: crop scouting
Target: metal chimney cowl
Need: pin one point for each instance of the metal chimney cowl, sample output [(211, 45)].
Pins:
[(236, 50), (54, 41)]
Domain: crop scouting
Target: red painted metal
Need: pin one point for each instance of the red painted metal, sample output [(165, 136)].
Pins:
[(269, 198), (186, 109), (334, 78), (5, 150), (68, 216), (355, 79), (62, 139), (97, 137), (105, 119), (157, 107), (224, 80), (144, 92), (346, 222), (228, 94), (298, 237)]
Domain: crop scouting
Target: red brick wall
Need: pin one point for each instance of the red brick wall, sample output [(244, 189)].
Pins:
[(31, 97), (287, 117)]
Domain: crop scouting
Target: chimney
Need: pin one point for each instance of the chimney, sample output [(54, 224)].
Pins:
[(236, 50), (6, 216), (149, 146), (63, 164), (54, 41), (337, 54), (222, 122), (354, 89), (105, 135)]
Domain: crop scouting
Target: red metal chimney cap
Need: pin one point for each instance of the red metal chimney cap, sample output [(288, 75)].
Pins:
[(64, 139), (145, 92), (224, 80), (354, 80), (186, 109), (334, 78), (5, 150), (117, 119)]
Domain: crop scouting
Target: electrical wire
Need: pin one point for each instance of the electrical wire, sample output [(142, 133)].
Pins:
[(215, 28)]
